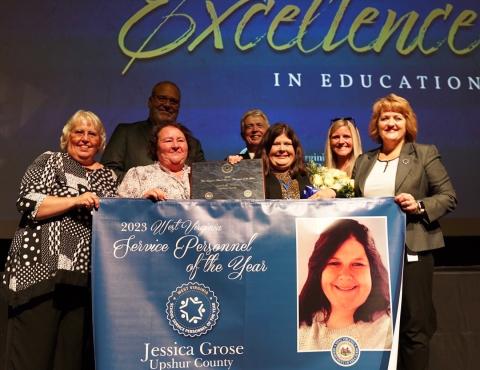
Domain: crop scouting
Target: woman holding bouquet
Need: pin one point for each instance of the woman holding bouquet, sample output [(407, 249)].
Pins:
[(342, 147), (343, 144), (414, 174)]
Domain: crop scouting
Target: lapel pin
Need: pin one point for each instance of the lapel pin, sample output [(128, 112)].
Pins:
[(405, 161)]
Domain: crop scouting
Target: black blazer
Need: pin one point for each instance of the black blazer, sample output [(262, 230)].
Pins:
[(245, 155), (128, 147), (421, 173), (273, 188)]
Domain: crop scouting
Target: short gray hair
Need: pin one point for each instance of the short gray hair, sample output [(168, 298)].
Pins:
[(89, 117), (252, 112)]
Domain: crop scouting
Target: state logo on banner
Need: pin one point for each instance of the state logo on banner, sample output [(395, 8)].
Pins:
[(192, 309), (345, 351)]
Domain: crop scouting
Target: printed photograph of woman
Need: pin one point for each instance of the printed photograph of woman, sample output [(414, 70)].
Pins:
[(346, 290)]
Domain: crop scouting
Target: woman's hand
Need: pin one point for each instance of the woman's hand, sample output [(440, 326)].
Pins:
[(324, 194), (155, 194), (87, 200), (407, 202), (233, 159), (53, 206)]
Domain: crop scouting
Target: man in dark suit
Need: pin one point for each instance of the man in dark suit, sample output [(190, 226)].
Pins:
[(128, 145)]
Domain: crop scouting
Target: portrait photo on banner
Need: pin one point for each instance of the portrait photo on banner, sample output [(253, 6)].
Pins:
[(343, 283)]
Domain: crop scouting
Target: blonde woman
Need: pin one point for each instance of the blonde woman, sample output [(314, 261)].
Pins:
[(47, 273), (343, 144)]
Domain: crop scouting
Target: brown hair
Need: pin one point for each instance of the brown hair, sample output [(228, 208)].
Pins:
[(298, 165), (312, 299), (152, 144), (393, 103)]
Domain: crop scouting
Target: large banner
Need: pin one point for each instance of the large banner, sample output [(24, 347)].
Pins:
[(246, 284)]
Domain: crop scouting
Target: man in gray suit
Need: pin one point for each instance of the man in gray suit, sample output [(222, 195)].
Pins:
[(128, 145)]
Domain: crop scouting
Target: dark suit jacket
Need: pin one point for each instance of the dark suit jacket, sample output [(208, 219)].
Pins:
[(128, 147), (245, 155), (273, 188), (421, 173)]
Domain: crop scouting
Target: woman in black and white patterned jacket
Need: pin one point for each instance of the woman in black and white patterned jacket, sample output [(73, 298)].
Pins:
[(46, 278)]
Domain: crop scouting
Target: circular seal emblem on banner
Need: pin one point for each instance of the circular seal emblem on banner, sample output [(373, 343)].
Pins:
[(208, 195), (247, 193), (345, 351), (227, 168), (192, 309)]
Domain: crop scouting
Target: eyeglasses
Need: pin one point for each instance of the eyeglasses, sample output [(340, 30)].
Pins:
[(349, 119), (162, 99)]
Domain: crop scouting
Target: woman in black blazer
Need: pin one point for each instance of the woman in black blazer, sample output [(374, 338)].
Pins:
[(414, 174)]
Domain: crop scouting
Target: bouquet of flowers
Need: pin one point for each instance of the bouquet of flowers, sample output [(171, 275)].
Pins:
[(322, 177)]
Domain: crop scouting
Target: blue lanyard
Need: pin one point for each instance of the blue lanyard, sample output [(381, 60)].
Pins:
[(286, 186)]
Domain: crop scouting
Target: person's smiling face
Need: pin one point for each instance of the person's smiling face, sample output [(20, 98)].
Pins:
[(172, 148), (346, 279), (392, 127), (83, 142), (282, 153), (254, 128), (341, 142), (164, 103)]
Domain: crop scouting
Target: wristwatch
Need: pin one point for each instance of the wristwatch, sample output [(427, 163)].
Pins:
[(420, 207)]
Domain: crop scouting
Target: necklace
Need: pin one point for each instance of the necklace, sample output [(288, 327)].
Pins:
[(285, 185), (288, 185), (389, 154), (386, 161)]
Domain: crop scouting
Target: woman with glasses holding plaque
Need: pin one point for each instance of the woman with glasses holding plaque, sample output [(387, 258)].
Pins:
[(343, 144)]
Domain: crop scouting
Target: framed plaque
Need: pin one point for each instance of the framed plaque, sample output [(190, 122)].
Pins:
[(222, 180)]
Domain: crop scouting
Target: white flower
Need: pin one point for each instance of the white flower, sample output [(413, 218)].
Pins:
[(329, 180), (322, 177), (317, 180)]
